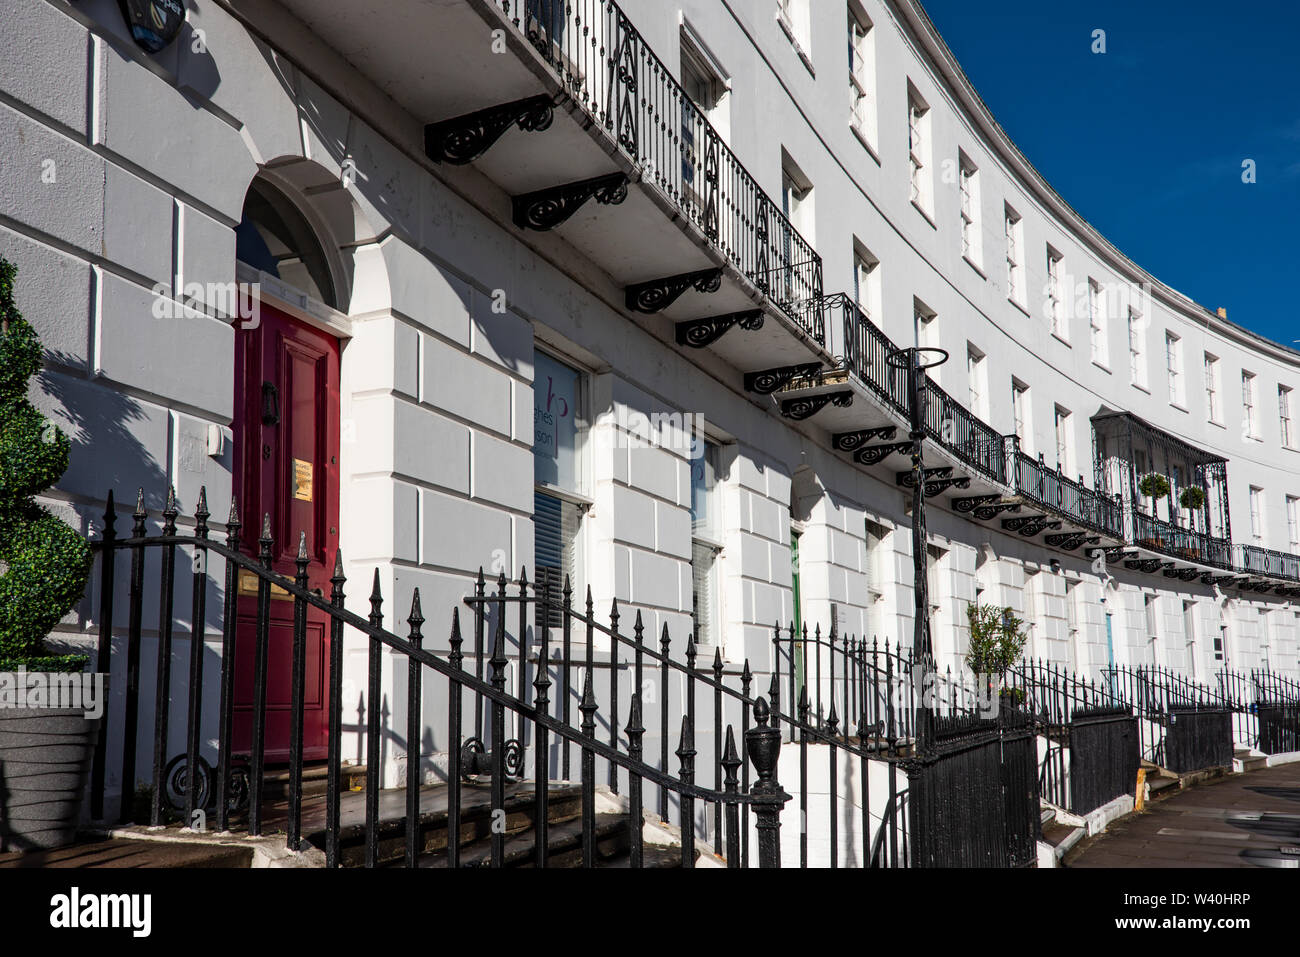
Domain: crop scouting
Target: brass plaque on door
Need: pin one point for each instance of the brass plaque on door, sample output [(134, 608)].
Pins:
[(302, 480), (248, 586)]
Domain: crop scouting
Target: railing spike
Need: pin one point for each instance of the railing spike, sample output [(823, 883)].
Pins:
[(302, 546), (338, 566), (415, 618)]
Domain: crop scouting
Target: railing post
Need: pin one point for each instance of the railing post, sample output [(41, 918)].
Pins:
[(763, 747), (163, 674), (731, 764), (198, 617), (225, 709), (103, 657), (297, 696), (335, 752)]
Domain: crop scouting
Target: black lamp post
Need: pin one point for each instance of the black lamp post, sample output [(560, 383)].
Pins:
[(916, 361)]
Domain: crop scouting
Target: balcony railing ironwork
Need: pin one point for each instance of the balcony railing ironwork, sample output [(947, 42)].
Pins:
[(963, 434), (609, 70), (866, 355), (1253, 560), (1057, 493), (1200, 547)]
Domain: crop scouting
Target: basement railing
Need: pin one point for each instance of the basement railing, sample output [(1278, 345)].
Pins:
[(502, 719)]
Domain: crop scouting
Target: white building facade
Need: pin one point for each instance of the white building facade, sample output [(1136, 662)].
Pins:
[(606, 295)]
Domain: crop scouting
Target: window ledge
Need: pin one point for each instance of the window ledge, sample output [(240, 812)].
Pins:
[(922, 210), (1179, 406), (1103, 368), (1140, 387), (1216, 422), (788, 29), (1061, 339), (862, 138), (564, 495), (974, 265), (1013, 302), (707, 540)]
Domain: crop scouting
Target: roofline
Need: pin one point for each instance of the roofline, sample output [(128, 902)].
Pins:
[(917, 20)]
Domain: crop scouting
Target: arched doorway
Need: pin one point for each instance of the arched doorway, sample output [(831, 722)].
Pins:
[(286, 436)]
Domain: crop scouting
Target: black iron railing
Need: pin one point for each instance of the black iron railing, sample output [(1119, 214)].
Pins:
[(973, 442), (1064, 496), (1178, 542), (511, 719), (867, 351), (1160, 696), (1253, 560), (534, 694), (859, 688), (608, 69)]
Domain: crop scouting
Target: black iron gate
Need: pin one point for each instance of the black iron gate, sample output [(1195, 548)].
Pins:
[(1104, 757), (1198, 738), (1279, 726), (1020, 788), (974, 794)]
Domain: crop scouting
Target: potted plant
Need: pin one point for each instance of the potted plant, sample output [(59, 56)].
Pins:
[(996, 643), (45, 750), (1155, 487), (1192, 498)]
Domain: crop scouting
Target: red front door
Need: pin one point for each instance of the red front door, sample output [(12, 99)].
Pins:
[(286, 465)]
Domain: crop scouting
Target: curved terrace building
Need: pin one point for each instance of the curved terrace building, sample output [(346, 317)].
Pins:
[(618, 292)]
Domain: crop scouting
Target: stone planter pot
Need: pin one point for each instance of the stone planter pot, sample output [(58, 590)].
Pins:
[(45, 758)]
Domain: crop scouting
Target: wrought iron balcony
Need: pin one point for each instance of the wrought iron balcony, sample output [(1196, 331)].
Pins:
[(609, 70), (975, 443), (866, 355), (1253, 560), (1157, 535), (1050, 489)]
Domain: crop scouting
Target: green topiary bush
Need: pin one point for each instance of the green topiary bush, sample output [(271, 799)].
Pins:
[(44, 563)]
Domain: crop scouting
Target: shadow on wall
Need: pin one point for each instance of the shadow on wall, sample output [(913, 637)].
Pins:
[(373, 170), (102, 425)]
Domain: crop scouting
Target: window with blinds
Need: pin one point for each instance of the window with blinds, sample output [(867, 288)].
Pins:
[(555, 530), (703, 559)]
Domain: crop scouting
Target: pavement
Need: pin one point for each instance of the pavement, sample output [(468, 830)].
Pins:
[(1241, 820), (132, 854)]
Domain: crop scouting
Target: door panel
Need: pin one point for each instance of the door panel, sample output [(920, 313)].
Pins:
[(286, 450)]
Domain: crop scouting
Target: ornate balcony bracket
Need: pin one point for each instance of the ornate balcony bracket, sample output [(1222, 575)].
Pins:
[(700, 333), (808, 406), (940, 486), (658, 294), (852, 441), (972, 502), (768, 381), (986, 513), (1116, 555), (908, 479), (1029, 525), (463, 139), (1209, 578), (1147, 565), (1188, 574), (1070, 540), (545, 209), (875, 454)]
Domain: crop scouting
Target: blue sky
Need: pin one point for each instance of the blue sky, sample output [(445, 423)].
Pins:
[(1147, 140)]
